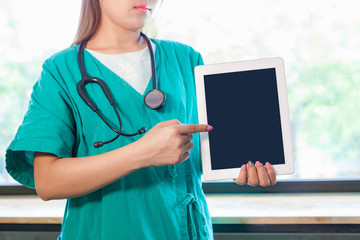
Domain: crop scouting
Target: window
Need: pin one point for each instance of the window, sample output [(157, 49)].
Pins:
[(319, 41), (31, 31)]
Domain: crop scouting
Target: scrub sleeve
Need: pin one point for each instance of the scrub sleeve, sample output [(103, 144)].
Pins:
[(152, 203), (48, 126)]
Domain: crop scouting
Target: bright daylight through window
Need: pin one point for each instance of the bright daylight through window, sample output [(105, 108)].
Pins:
[(319, 41)]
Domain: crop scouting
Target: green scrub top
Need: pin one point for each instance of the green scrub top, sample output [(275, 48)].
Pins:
[(151, 203)]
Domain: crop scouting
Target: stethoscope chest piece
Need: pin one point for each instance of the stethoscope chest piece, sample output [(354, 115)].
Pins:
[(154, 99)]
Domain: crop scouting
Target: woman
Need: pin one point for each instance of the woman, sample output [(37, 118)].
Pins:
[(135, 187)]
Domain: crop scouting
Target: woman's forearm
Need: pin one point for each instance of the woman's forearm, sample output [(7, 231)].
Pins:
[(167, 143), (59, 178)]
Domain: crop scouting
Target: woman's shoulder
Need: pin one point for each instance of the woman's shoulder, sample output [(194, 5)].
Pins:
[(179, 53), (61, 68), (62, 57), (178, 47)]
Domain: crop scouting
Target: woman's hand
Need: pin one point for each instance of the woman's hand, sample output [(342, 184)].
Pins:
[(168, 142), (256, 174)]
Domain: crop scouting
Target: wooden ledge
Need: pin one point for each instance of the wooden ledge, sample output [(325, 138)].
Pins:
[(342, 208)]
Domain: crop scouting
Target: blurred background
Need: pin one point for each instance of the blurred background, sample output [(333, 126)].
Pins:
[(319, 41)]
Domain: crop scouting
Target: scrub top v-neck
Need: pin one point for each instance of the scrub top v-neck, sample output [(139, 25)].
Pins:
[(151, 203), (133, 67)]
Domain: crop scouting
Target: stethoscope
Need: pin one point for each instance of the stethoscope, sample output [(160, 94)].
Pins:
[(153, 99)]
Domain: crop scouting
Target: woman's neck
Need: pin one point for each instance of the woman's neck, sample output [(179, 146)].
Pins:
[(114, 40)]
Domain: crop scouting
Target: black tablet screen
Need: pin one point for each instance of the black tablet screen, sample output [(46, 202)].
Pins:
[(243, 108)]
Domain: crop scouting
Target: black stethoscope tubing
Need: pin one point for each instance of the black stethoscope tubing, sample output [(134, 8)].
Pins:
[(154, 99)]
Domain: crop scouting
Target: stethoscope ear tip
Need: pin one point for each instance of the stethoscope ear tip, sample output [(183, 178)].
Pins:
[(98, 144), (142, 130)]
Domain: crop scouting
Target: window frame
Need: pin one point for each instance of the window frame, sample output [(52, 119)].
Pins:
[(283, 186), (287, 186)]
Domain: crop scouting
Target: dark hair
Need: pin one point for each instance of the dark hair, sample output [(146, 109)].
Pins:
[(89, 22)]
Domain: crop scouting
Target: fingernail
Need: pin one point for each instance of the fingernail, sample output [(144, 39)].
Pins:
[(267, 165), (257, 164), (250, 163), (243, 166), (209, 128)]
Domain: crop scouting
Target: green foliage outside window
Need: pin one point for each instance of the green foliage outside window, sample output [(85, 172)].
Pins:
[(319, 42)]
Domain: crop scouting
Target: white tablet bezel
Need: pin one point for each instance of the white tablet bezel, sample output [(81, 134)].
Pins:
[(257, 64)]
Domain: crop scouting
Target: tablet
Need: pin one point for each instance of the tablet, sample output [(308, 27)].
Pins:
[(246, 103)]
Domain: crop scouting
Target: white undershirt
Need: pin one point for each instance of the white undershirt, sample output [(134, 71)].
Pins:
[(133, 67)]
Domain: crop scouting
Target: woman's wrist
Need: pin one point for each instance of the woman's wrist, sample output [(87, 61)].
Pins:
[(139, 155)]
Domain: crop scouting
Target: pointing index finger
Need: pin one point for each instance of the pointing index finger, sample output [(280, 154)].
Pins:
[(194, 128)]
